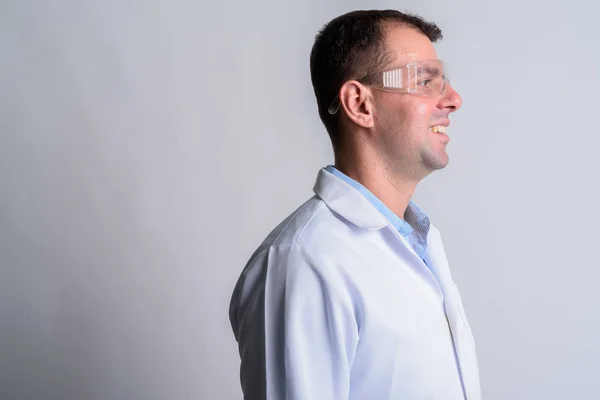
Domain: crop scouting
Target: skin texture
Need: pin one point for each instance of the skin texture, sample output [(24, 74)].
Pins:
[(387, 145)]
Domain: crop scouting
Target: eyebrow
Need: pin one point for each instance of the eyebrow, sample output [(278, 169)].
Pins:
[(430, 70)]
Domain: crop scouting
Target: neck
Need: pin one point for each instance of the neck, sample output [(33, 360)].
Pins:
[(393, 189)]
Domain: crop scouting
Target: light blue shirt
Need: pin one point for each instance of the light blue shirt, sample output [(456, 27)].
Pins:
[(414, 227)]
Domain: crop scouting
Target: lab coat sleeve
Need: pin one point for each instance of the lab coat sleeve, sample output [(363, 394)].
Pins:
[(310, 329)]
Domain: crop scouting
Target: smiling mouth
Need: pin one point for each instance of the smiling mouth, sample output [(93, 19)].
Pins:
[(438, 129)]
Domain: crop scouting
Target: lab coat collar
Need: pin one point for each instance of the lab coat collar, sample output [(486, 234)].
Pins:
[(348, 202)]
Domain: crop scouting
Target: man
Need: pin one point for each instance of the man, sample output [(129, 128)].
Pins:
[(351, 296)]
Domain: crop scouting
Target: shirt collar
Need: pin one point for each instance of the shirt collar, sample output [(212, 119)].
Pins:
[(366, 215)]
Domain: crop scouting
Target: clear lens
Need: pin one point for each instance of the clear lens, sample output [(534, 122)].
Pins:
[(425, 77)]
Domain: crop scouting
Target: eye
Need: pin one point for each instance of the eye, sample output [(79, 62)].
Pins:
[(425, 82)]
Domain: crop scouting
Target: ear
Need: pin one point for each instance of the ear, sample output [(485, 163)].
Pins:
[(357, 102)]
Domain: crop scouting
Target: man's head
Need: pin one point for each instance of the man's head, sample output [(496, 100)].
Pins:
[(347, 63)]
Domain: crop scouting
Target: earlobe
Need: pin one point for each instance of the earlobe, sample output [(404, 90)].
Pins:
[(356, 102)]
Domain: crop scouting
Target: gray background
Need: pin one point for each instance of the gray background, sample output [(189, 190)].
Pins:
[(147, 147)]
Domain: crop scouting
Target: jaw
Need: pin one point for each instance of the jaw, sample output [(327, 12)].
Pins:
[(434, 155)]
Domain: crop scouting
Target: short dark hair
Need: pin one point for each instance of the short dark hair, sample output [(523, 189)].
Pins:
[(351, 46)]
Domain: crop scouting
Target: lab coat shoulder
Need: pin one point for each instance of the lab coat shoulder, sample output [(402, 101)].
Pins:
[(314, 241), (307, 240), (293, 313)]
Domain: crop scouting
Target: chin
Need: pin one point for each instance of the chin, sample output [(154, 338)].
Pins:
[(436, 162), (443, 164)]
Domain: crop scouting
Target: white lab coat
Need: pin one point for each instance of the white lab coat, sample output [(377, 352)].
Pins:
[(335, 304)]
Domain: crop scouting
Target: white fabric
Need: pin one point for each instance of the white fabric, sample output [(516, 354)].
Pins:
[(335, 304)]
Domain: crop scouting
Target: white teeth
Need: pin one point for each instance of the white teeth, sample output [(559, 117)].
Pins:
[(438, 128)]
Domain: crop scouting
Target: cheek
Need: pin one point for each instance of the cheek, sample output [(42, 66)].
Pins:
[(410, 113), (419, 117), (422, 113), (423, 109)]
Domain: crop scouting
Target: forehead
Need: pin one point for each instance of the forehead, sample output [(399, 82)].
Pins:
[(406, 44)]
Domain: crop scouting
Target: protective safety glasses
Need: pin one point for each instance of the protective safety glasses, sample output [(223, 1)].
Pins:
[(427, 78)]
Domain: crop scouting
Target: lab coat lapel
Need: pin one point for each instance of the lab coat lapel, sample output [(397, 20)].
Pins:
[(463, 341)]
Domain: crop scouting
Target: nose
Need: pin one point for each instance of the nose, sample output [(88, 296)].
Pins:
[(451, 100)]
